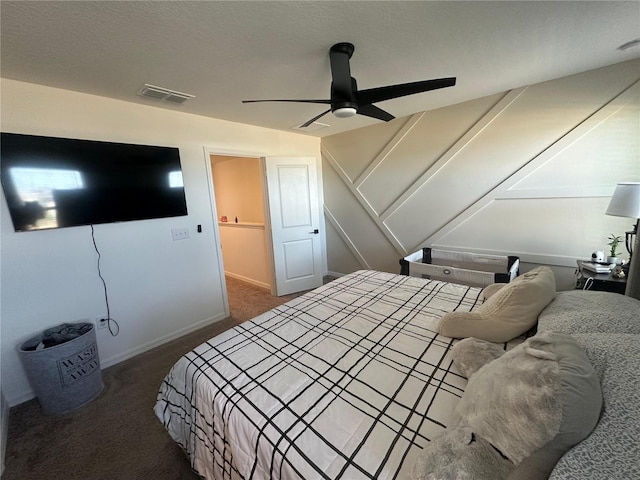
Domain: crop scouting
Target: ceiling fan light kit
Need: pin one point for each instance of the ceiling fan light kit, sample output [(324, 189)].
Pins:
[(344, 112), (347, 101)]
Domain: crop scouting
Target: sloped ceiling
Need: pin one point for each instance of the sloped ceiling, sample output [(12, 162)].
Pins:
[(224, 52)]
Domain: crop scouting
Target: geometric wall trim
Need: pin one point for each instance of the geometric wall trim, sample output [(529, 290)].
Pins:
[(543, 159), (345, 238), (503, 189)]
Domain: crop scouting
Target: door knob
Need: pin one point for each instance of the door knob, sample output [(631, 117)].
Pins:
[(315, 232)]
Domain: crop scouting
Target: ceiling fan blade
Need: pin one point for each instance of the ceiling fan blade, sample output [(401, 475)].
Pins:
[(373, 95), (339, 56), (324, 102), (374, 112), (309, 122)]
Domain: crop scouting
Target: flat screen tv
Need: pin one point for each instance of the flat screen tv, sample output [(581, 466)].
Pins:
[(60, 182)]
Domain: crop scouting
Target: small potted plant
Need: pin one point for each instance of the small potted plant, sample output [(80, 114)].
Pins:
[(614, 241)]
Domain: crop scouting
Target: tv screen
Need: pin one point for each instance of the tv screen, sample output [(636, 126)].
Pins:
[(60, 182)]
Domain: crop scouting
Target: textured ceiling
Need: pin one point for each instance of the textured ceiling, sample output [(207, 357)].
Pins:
[(224, 52)]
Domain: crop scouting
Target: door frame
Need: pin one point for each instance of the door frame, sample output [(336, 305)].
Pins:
[(214, 151)]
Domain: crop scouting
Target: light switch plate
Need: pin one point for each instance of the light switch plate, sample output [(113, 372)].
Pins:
[(179, 233)]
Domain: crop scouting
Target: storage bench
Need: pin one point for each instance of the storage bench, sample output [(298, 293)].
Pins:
[(473, 269)]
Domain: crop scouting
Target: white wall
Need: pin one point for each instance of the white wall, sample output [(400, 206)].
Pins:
[(158, 288), (244, 249), (527, 172)]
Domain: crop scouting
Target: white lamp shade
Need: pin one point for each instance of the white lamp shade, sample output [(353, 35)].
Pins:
[(625, 201)]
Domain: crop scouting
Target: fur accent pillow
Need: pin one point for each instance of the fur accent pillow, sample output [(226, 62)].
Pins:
[(521, 411), (508, 313)]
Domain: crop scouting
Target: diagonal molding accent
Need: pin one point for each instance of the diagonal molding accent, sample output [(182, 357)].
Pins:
[(502, 189), (455, 149), (345, 238), (463, 142), (389, 147), (363, 201)]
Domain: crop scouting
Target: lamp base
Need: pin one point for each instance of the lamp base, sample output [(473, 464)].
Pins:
[(633, 278), (629, 238)]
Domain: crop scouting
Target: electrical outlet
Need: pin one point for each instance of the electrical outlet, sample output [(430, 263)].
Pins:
[(179, 233), (101, 321)]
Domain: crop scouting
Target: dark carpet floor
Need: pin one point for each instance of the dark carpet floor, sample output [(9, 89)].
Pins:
[(117, 436)]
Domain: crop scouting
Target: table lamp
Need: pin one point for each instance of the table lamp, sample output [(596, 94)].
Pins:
[(625, 202)]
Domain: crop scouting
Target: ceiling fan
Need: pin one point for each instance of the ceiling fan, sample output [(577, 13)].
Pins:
[(347, 101)]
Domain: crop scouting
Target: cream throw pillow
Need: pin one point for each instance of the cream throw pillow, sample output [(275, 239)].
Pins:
[(490, 290), (507, 313)]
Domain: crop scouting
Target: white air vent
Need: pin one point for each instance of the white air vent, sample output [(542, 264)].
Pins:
[(311, 128), (160, 93)]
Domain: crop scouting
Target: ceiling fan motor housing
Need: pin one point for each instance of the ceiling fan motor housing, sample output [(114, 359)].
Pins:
[(344, 104)]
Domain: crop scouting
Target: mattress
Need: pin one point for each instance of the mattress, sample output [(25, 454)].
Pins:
[(350, 381)]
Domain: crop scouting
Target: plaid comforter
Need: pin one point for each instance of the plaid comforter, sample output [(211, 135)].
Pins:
[(348, 381)]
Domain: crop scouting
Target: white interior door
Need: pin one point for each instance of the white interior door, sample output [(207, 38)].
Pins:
[(295, 221)]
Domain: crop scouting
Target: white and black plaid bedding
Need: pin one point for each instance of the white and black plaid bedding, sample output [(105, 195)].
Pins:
[(348, 381)]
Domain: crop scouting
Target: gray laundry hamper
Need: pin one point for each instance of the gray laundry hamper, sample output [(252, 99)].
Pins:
[(64, 376)]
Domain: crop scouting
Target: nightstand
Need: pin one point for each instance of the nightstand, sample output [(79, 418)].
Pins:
[(602, 282)]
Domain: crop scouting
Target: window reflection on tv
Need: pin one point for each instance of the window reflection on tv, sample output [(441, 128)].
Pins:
[(59, 182)]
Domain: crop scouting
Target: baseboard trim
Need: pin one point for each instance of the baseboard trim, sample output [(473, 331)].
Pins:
[(121, 357), (248, 280), (335, 274), (106, 363)]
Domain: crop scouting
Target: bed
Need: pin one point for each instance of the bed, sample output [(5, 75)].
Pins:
[(348, 381)]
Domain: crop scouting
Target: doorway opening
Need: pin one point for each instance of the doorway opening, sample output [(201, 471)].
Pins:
[(239, 199), (266, 211)]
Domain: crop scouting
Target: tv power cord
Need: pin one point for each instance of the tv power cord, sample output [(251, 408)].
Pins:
[(115, 329)]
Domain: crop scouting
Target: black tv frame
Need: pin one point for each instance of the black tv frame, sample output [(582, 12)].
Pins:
[(121, 182)]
